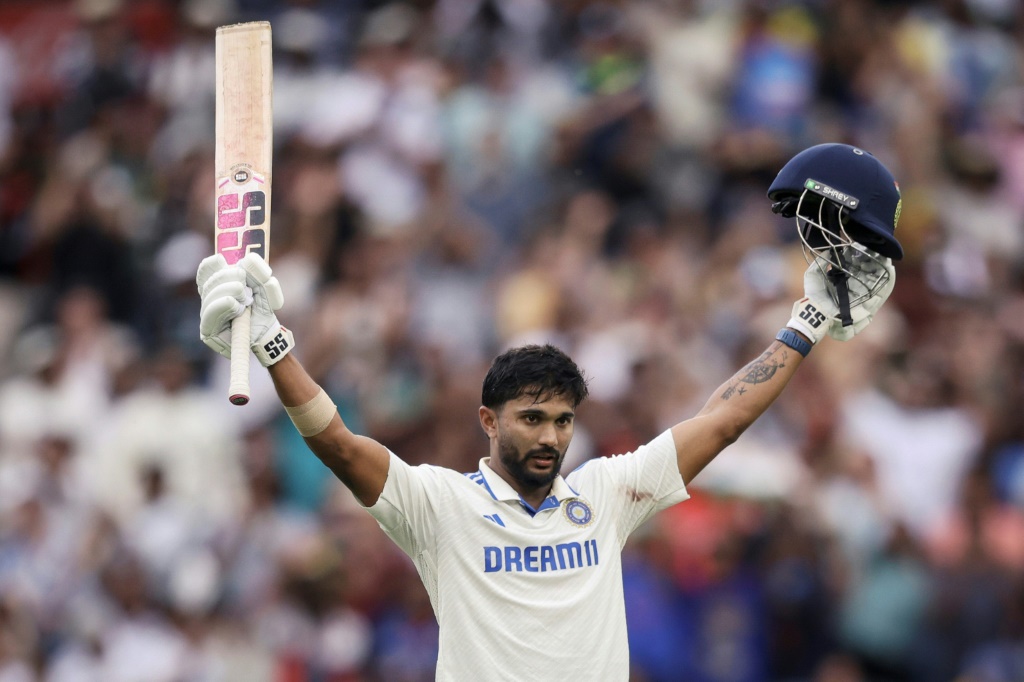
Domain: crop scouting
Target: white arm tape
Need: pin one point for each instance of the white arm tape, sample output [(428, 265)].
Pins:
[(313, 417)]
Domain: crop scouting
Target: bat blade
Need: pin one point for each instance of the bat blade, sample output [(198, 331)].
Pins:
[(243, 159)]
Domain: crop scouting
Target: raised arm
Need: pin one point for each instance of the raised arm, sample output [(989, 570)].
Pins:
[(737, 403), (733, 407), (359, 462)]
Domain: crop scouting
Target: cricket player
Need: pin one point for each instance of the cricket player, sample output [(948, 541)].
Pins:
[(522, 565)]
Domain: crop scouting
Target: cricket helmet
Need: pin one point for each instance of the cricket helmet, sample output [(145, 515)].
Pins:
[(846, 205), (842, 183)]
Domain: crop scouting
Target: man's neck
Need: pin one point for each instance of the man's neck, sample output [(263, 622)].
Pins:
[(533, 496)]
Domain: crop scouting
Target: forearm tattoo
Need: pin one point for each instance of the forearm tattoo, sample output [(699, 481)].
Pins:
[(757, 372)]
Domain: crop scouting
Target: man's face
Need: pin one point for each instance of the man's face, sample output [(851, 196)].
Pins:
[(532, 438)]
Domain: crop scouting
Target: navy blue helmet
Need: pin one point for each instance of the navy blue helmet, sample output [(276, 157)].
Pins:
[(840, 188), (846, 205)]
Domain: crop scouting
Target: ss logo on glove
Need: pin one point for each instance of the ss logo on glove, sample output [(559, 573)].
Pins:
[(276, 346), (812, 316)]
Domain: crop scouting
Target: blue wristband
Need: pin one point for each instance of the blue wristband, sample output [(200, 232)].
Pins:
[(794, 341)]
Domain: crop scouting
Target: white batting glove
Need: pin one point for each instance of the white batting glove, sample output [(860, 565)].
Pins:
[(816, 314), (862, 314), (270, 341), (226, 290), (224, 297)]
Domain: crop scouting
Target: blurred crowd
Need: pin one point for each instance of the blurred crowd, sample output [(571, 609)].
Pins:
[(453, 177)]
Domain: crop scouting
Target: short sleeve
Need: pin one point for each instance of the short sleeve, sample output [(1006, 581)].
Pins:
[(636, 485), (405, 509)]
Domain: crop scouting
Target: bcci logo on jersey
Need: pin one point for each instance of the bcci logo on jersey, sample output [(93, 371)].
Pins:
[(578, 513)]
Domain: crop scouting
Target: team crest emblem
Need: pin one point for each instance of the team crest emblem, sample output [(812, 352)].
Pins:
[(578, 513)]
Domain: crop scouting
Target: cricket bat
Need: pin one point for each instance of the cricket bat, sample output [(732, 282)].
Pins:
[(244, 142)]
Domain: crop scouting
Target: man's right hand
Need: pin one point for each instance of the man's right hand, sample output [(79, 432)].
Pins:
[(226, 290)]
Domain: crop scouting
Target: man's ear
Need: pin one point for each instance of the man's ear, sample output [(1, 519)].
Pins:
[(489, 421)]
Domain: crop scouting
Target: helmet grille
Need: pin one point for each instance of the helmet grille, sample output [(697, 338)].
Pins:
[(832, 241)]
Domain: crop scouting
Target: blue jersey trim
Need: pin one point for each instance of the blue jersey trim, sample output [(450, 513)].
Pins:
[(551, 502), (479, 478)]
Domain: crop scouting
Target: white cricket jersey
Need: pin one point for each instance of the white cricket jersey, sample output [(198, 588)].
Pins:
[(524, 594)]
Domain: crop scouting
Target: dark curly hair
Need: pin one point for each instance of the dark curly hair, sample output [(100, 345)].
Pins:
[(541, 372)]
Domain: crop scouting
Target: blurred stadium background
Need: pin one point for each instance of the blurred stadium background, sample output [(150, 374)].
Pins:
[(453, 177)]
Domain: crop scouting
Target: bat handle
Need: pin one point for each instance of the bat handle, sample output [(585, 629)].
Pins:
[(238, 389)]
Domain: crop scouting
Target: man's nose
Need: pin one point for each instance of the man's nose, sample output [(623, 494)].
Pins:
[(548, 435)]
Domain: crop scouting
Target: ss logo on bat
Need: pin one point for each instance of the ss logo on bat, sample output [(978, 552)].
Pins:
[(239, 216)]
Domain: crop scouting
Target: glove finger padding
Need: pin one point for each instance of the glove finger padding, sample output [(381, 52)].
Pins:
[(866, 270), (259, 274), (865, 312), (237, 292), (267, 296), (217, 313), (220, 277), (270, 340), (224, 286), (207, 268), (215, 323), (223, 298)]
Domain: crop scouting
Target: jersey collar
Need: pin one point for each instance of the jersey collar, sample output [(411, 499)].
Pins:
[(502, 491)]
